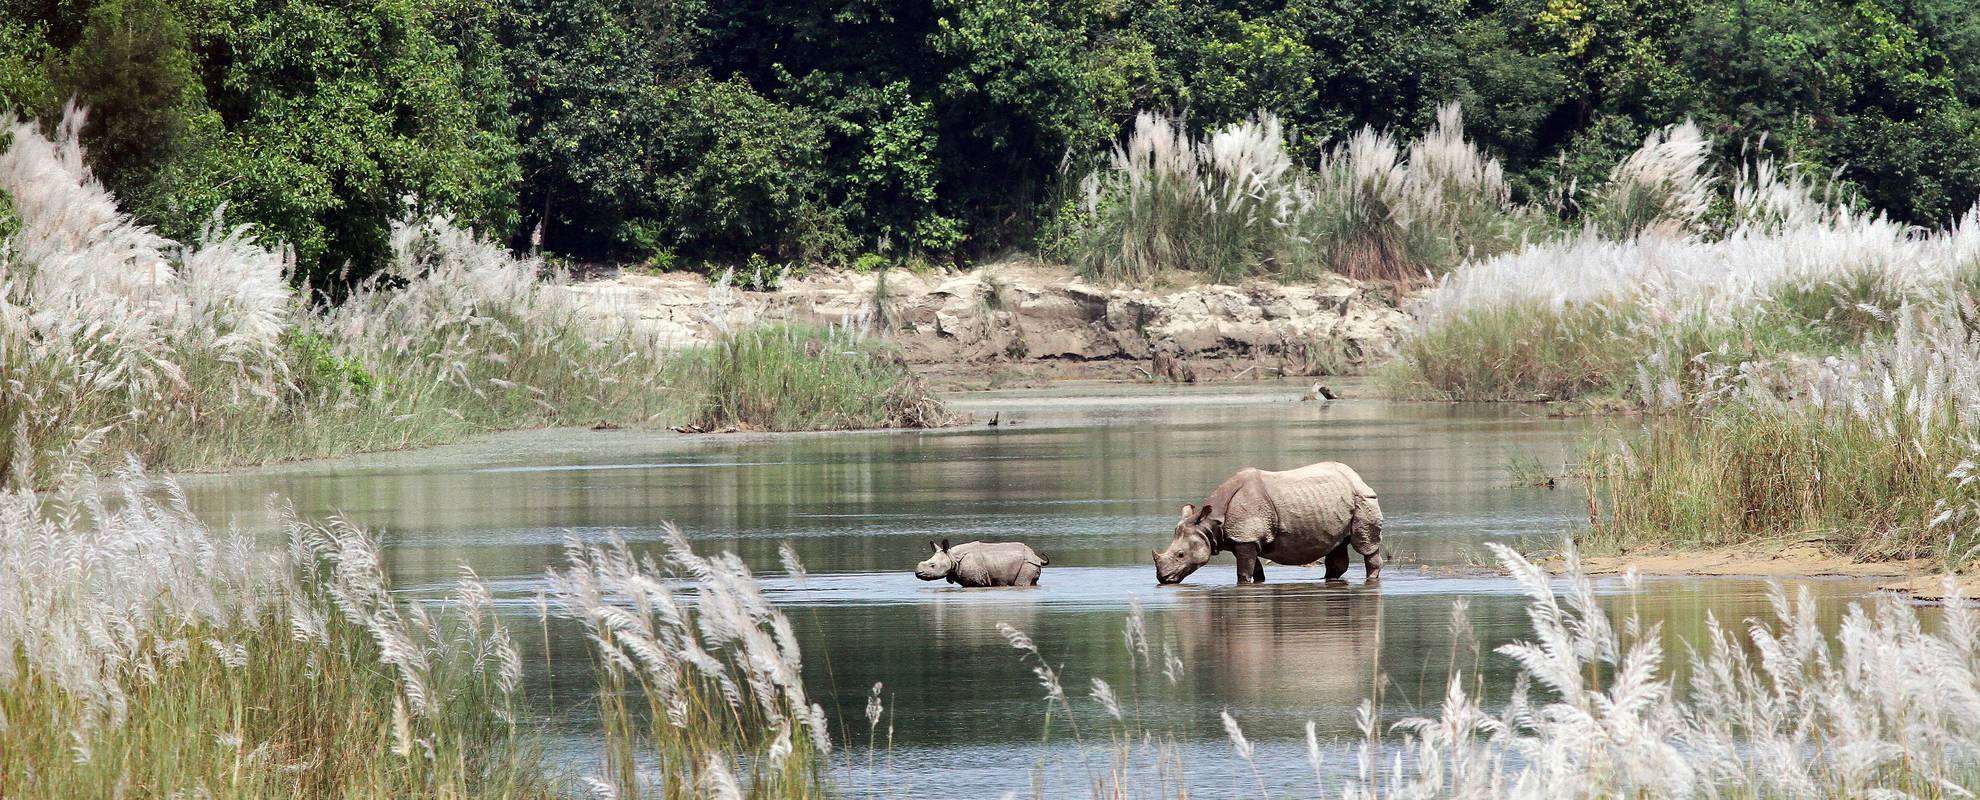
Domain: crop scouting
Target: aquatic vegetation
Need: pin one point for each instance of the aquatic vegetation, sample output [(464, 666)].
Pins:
[(788, 378), (701, 699), (1235, 204)]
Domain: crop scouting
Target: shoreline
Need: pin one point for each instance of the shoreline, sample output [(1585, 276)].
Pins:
[(519, 448), (1920, 580)]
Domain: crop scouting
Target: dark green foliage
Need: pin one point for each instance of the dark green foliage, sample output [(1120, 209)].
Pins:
[(686, 132), (24, 50), (132, 68), (319, 372)]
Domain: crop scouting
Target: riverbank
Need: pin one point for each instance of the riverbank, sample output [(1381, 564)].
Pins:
[(117, 343), (1918, 579), (1028, 323), (1757, 560)]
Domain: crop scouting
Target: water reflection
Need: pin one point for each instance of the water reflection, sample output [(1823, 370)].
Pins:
[(1090, 481), (1283, 643)]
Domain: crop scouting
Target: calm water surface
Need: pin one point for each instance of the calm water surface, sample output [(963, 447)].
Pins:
[(1092, 477)]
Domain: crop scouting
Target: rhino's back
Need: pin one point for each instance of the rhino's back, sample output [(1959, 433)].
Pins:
[(1018, 552), (993, 563), (1315, 500)]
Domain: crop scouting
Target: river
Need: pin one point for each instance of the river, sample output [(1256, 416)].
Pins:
[(1091, 476)]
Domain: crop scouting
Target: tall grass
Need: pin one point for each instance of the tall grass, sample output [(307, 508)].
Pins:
[(1595, 315), (114, 340), (142, 655), (1663, 188), (696, 700), (1235, 203), (790, 378), (1870, 454)]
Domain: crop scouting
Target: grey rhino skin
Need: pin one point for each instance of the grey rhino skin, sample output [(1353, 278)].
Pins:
[(978, 564), (1295, 517)]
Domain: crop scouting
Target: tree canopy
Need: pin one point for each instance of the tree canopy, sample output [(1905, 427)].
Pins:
[(685, 132)]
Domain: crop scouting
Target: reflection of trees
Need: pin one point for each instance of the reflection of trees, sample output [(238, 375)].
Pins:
[(1283, 643)]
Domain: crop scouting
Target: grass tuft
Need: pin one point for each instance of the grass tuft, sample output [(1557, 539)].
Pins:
[(788, 378)]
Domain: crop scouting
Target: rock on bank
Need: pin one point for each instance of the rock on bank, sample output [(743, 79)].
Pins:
[(1044, 321)]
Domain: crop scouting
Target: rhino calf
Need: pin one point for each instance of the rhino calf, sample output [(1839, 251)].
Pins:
[(982, 564)]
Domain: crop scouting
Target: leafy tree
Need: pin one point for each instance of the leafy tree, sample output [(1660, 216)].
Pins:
[(24, 53), (133, 70)]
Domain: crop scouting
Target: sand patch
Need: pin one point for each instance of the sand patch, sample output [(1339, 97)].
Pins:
[(1789, 561), (1933, 586), (1920, 579)]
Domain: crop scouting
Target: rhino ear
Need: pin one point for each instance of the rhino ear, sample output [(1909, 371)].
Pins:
[(945, 545), (934, 548), (1188, 510)]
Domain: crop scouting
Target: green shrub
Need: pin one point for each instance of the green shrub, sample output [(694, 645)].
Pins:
[(319, 370), (782, 378)]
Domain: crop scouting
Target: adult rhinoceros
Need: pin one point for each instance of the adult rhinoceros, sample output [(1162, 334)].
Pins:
[(1294, 517)]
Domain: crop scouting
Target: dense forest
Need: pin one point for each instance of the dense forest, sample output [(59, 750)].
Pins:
[(682, 133)]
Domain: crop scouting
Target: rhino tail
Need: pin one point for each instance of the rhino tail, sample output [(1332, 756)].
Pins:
[(1039, 558)]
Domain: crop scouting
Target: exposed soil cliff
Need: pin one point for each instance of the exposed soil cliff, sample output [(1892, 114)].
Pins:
[(1019, 321)]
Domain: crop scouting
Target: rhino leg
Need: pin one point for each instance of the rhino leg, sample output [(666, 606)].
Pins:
[(1337, 561), (1365, 532), (1248, 569), (1027, 575)]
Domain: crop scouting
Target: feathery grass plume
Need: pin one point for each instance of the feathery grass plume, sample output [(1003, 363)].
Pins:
[(1661, 189), (1135, 631), (1771, 196), (1878, 708), (107, 329), (115, 340), (1382, 217), (1874, 448), (1220, 205), (692, 690), (1103, 693), (1235, 204), (145, 650), (793, 566), (1655, 316)]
